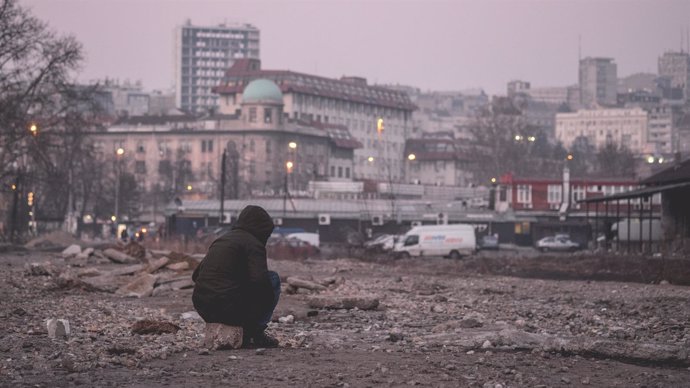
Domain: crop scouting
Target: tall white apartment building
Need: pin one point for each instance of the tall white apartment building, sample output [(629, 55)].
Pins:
[(598, 82), (202, 54), (627, 127)]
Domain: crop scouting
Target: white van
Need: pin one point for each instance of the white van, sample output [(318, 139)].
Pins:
[(451, 241)]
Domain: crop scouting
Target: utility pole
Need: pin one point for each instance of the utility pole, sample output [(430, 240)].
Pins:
[(222, 188)]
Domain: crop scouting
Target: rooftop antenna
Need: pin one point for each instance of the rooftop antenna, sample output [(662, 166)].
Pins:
[(579, 47), (681, 40), (687, 38)]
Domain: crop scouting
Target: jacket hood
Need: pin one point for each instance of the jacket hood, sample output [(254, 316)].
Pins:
[(256, 221)]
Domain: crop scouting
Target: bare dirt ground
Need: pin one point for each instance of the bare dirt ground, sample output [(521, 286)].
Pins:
[(493, 321)]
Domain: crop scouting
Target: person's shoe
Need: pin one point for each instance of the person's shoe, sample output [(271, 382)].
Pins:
[(246, 341), (263, 340)]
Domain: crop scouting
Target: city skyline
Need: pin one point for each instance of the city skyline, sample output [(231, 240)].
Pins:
[(534, 40)]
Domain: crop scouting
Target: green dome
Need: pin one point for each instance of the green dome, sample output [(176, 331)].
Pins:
[(262, 90)]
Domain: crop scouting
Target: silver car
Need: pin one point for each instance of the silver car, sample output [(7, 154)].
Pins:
[(557, 243)]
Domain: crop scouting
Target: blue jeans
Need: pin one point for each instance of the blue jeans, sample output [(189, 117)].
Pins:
[(268, 313)]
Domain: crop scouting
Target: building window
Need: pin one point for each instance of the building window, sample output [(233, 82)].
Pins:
[(140, 167), (252, 115), (251, 145), (140, 147), (340, 172), (268, 146), (578, 193), (206, 146), (333, 171), (268, 115), (347, 172), (524, 193), (554, 193)]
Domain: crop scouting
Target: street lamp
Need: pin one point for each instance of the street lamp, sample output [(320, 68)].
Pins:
[(119, 152), (569, 157), (33, 128), (370, 159), (289, 166), (411, 157), (292, 145), (189, 187)]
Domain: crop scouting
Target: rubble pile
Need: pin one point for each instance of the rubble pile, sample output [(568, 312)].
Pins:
[(87, 311)]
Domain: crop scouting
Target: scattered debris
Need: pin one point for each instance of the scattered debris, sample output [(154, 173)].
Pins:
[(335, 302), (306, 284), (154, 327)]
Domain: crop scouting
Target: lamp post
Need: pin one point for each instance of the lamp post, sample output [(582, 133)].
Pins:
[(118, 153)]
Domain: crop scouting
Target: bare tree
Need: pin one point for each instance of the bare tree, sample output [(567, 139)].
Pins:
[(44, 117)]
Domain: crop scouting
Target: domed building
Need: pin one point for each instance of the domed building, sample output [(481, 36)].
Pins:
[(270, 145), (262, 103)]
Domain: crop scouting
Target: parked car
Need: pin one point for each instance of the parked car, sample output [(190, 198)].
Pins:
[(557, 243), (489, 242), (382, 243)]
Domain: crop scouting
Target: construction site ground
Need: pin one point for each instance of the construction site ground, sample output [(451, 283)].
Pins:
[(492, 320)]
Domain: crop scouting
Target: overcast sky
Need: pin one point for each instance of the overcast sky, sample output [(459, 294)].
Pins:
[(439, 45)]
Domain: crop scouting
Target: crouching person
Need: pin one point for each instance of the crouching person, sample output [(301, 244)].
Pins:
[(233, 285)]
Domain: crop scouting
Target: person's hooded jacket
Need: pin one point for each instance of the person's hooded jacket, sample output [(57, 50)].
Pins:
[(231, 282)]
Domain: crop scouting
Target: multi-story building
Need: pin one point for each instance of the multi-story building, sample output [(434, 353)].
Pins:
[(379, 118), (122, 98), (437, 161), (202, 54), (627, 127), (516, 86), (676, 66), (181, 155), (598, 82)]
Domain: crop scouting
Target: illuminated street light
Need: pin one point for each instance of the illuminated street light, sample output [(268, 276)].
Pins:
[(14, 187), (531, 138), (569, 157), (411, 156), (113, 218), (292, 145), (189, 187), (370, 159), (518, 137), (33, 128), (493, 180), (289, 166), (660, 160), (650, 159), (120, 151), (144, 230)]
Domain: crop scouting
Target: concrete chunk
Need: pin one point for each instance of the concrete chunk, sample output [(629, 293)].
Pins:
[(219, 336), (71, 250), (156, 264), (58, 328), (140, 287), (119, 257)]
